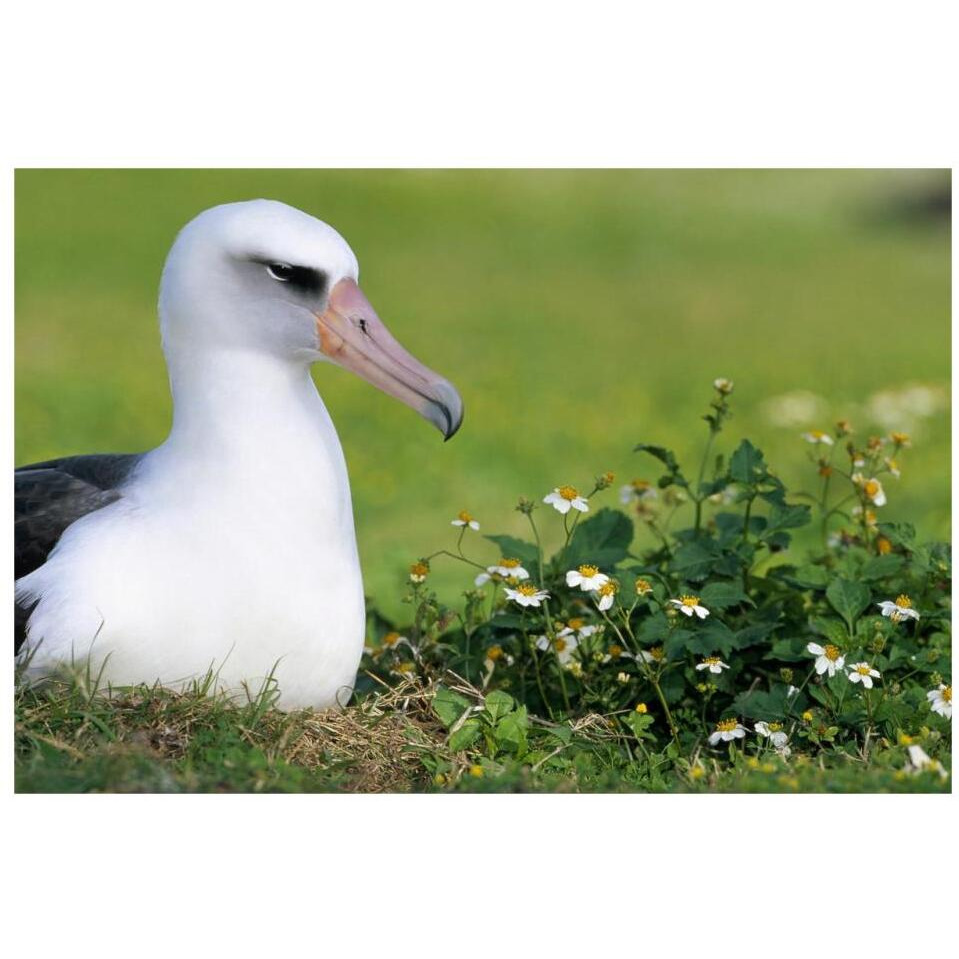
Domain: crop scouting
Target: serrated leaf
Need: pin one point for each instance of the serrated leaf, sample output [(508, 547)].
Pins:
[(449, 706), (511, 732), (899, 534), (787, 517), (881, 567), (829, 627), (722, 595), (747, 465), (467, 733), (498, 704), (602, 539), (760, 704), (679, 641), (810, 577), (668, 459), (512, 548), (694, 560), (848, 598)]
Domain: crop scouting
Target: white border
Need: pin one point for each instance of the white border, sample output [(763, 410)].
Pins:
[(498, 84)]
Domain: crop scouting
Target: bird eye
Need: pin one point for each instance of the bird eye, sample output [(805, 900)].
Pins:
[(280, 271)]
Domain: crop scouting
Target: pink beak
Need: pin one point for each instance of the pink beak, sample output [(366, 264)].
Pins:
[(354, 337)]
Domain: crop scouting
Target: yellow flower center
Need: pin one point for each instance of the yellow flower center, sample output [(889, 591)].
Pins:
[(900, 439), (391, 639), (871, 488), (464, 516), (641, 485), (494, 653), (642, 708), (568, 492), (642, 586), (863, 669), (419, 569), (726, 725), (831, 653), (559, 644), (774, 727), (657, 653), (903, 601), (689, 601), (509, 563), (576, 623), (615, 651), (946, 694), (817, 434), (526, 590), (807, 716), (404, 668), (588, 572), (607, 589), (711, 660), (884, 546)]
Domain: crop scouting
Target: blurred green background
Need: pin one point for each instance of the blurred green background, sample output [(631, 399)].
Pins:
[(578, 312)]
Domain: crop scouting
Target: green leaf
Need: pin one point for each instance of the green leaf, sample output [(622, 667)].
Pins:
[(694, 560), (810, 577), (467, 733), (832, 629), (639, 724), (498, 704), (899, 534), (722, 595), (679, 641), (449, 706), (759, 704), (747, 464), (602, 540), (668, 459), (880, 567), (511, 732), (512, 548), (848, 598), (786, 517)]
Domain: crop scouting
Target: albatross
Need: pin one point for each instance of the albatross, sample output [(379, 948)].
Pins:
[(231, 546)]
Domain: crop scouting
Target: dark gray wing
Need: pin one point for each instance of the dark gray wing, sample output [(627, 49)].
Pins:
[(49, 496)]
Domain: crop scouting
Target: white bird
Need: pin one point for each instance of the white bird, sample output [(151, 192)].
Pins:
[(231, 546)]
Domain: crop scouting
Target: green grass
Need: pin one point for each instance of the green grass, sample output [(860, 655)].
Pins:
[(578, 313)]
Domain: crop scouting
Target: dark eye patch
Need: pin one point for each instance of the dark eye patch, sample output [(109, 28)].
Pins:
[(304, 279)]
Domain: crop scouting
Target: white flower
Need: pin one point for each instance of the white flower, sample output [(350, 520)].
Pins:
[(587, 578), (689, 605), (899, 609), (527, 595), (564, 644), (654, 655), (616, 652), (580, 627), (828, 658), (919, 760), (774, 731), (871, 487), (863, 673), (605, 595), (494, 654), (713, 663), (419, 571), (622, 678), (726, 730), (940, 700), (818, 436), (893, 467), (564, 498), (507, 569), (638, 489), (722, 385), (464, 519)]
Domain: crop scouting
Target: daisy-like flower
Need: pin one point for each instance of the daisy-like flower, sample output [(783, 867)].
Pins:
[(940, 700), (563, 645), (919, 761), (392, 641), (565, 498), (587, 578), (643, 586), (900, 439), (638, 489), (828, 658), (722, 385), (863, 673), (419, 571), (527, 595), (893, 466), (496, 654), (616, 651), (605, 595), (899, 609), (579, 626), (713, 663), (726, 730), (818, 436), (507, 569), (775, 733), (689, 606), (465, 519), (872, 488), (654, 655)]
